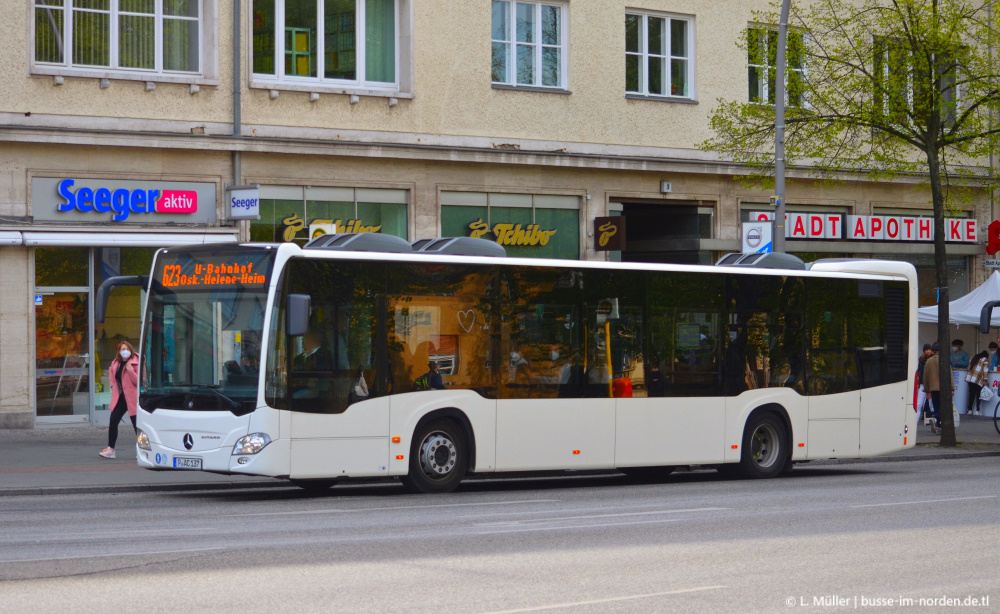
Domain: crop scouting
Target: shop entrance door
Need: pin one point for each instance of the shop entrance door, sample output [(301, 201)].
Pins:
[(62, 355)]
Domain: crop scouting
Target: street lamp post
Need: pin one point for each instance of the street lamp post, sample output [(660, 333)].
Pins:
[(778, 238)]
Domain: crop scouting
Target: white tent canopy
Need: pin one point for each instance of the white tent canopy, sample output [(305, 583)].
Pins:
[(966, 310)]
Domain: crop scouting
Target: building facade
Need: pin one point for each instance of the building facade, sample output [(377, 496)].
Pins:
[(123, 122)]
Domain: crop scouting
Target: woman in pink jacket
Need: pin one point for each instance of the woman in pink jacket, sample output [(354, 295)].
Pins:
[(124, 376)]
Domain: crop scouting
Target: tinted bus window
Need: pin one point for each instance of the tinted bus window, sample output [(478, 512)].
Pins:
[(684, 334), (316, 372), (442, 314)]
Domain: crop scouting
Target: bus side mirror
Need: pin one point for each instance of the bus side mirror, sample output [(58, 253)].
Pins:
[(986, 315), (297, 314), (141, 281)]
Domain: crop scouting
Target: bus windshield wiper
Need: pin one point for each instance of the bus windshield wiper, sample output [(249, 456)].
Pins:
[(232, 404)]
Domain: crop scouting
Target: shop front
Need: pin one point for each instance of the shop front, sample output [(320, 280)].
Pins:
[(85, 231)]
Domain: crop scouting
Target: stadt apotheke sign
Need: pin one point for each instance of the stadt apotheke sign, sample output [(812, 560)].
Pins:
[(871, 227)]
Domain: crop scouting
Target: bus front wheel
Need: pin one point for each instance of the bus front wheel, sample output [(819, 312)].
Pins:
[(765, 447), (438, 458)]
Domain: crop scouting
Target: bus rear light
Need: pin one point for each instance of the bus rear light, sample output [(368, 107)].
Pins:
[(399, 457), (802, 445), (397, 439), (904, 441), (576, 451), (736, 447)]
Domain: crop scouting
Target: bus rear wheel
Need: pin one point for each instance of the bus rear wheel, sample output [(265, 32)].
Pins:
[(438, 458), (765, 447)]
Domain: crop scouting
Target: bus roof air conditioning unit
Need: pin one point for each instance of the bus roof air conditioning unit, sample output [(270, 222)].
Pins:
[(459, 246), (361, 242), (770, 260)]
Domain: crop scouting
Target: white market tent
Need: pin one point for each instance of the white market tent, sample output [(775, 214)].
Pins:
[(966, 310)]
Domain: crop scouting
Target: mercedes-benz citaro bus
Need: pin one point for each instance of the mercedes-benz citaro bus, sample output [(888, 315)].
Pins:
[(360, 356)]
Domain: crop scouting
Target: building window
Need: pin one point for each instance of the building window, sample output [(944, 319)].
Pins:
[(147, 37), (334, 42), (294, 214), (535, 226), (529, 44), (762, 50), (658, 55)]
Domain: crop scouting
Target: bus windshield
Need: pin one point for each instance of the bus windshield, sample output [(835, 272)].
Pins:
[(204, 320)]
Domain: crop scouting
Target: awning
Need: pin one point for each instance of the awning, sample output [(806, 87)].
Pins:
[(121, 239), (10, 238)]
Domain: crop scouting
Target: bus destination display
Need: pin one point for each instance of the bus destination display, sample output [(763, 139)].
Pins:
[(215, 270)]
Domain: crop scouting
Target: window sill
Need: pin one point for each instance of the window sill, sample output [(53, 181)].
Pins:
[(121, 75), (661, 98), (531, 88), (326, 88)]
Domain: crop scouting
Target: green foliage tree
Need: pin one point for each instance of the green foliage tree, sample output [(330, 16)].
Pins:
[(890, 89)]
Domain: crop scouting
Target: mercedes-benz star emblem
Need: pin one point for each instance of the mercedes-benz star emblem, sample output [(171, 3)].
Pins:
[(188, 441)]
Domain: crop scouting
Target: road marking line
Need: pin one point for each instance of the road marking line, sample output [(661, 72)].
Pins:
[(589, 516), (590, 509), (555, 606), (382, 509), (484, 531), (926, 501), (98, 556)]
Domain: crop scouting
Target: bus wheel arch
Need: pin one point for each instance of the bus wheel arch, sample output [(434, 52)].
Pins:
[(766, 443), (442, 450)]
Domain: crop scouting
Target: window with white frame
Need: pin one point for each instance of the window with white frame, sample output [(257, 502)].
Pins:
[(335, 42), (762, 50), (659, 52), (529, 44), (151, 37)]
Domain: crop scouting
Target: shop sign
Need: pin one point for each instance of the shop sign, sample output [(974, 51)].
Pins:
[(244, 202), (508, 234), (991, 264), (757, 238), (993, 237), (100, 200), (871, 227), (294, 225), (609, 234)]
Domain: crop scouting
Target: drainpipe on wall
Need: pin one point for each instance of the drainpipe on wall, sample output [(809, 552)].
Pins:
[(237, 90)]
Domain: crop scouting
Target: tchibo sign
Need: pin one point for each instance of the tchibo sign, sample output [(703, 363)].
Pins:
[(99, 200), (871, 227)]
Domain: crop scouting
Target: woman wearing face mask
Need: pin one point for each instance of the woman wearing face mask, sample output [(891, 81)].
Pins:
[(124, 376)]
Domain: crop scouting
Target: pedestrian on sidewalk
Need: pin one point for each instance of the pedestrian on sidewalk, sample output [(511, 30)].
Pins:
[(979, 370), (932, 383), (124, 377)]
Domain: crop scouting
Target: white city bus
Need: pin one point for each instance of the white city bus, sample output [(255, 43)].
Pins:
[(309, 364)]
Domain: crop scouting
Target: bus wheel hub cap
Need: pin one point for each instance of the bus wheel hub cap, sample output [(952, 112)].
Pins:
[(437, 455)]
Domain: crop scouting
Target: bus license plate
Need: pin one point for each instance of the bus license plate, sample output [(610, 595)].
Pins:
[(187, 463)]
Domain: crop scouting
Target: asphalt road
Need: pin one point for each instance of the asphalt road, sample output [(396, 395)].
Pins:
[(697, 542)]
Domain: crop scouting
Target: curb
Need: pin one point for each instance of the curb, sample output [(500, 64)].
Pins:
[(899, 459), (276, 483), (138, 488)]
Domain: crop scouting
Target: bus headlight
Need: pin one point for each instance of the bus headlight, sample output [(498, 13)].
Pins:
[(251, 444), (142, 440)]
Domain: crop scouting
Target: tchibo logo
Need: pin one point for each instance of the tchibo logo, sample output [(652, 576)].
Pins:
[(121, 202), (178, 201)]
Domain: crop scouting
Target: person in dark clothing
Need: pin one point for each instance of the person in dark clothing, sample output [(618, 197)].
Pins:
[(315, 356), (434, 376), (656, 384)]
